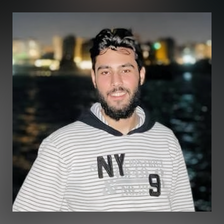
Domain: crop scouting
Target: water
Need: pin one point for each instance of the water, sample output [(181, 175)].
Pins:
[(43, 104)]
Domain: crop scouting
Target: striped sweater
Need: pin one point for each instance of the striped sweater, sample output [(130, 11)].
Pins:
[(89, 166)]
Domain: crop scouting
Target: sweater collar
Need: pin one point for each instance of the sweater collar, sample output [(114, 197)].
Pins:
[(94, 118)]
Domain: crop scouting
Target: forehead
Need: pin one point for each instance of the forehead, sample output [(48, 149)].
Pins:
[(119, 54), (121, 50)]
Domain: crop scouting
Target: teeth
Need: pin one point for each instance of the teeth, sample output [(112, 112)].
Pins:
[(118, 94)]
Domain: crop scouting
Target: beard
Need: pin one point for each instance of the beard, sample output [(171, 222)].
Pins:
[(126, 111)]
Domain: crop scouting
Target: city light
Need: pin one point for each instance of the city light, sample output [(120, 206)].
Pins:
[(51, 64), (188, 59), (85, 65), (157, 45), (160, 52)]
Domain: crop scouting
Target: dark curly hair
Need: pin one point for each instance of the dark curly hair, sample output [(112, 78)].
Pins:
[(113, 38)]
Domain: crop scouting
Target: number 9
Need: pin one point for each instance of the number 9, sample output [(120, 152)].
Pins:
[(154, 181)]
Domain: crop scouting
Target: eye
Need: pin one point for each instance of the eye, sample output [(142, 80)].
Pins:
[(104, 72), (126, 71)]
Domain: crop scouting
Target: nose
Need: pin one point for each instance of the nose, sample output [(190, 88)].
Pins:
[(116, 79)]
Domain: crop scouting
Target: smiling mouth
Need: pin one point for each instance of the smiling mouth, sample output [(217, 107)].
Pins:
[(118, 93)]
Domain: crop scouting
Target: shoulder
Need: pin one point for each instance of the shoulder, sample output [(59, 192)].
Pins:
[(72, 129), (70, 132), (162, 129), (66, 139), (165, 133)]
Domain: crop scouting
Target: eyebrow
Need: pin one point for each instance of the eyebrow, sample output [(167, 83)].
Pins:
[(120, 66)]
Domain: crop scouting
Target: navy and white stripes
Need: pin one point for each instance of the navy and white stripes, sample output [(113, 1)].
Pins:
[(65, 174)]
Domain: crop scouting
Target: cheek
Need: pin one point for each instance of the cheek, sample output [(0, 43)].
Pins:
[(131, 83), (102, 86), (102, 82)]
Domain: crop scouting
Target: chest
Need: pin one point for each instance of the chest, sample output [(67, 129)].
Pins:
[(119, 172)]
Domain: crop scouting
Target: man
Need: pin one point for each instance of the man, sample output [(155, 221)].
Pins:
[(114, 157)]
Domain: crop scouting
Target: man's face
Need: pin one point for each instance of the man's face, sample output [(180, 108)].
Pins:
[(117, 79)]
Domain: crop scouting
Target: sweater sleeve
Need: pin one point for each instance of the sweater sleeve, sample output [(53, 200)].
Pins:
[(181, 193), (44, 186)]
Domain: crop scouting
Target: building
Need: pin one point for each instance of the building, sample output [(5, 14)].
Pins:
[(25, 52)]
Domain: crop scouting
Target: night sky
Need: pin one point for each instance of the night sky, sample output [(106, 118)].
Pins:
[(183, 27)]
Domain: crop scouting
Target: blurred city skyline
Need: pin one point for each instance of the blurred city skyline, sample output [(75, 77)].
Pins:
[(182, 27)]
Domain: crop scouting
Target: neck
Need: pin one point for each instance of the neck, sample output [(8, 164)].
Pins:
[(123, 125)]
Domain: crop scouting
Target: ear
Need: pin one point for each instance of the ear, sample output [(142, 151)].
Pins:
[(93, 76), (142, 75)]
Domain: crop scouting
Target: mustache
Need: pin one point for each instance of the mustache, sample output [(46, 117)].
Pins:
[(120, 88)]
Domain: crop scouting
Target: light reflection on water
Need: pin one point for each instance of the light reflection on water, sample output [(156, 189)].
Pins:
[(187, 76)]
